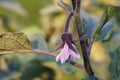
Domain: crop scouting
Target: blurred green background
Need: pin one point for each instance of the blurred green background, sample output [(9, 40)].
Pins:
[(44, 20)]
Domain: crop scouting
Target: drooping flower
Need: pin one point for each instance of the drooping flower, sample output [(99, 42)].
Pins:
[(68, 49)]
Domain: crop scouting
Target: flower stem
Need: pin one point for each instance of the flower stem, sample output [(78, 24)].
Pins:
[(76, 7), (68, 21)]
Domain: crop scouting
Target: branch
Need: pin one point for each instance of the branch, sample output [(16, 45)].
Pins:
[(76, 6), (77, 21), (40, 52)]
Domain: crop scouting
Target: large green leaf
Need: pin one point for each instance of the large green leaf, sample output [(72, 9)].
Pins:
[(88, 23), (114, 66), (14, 41), (109, 12)]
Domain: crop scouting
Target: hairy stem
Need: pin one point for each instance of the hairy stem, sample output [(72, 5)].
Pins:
[(76, 7), (40, 52)]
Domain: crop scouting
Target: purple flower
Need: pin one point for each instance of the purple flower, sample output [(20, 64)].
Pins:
[(69, 50)]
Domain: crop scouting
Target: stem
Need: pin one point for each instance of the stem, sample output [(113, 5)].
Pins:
[(40, 52), (68, 21), (80, 33), (74, 4)]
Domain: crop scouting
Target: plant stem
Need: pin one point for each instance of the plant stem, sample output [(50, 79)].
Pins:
[(40, 52), (68, 21), (77, 21)]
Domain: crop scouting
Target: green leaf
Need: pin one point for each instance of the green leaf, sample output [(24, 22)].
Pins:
[(109, 12), (14, 41), (89, 24), (106, 30), (112, 41), (114, 66)]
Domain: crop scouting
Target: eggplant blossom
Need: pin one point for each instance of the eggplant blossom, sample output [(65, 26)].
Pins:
[(68, 49)]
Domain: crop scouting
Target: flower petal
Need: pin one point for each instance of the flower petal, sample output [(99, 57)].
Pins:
[(64, 54), (74, 55)]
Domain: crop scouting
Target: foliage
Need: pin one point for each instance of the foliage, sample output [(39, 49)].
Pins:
[(19, 39), (105, 26), (114, 66), (22, 11), (109, 12), (17, 15)]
